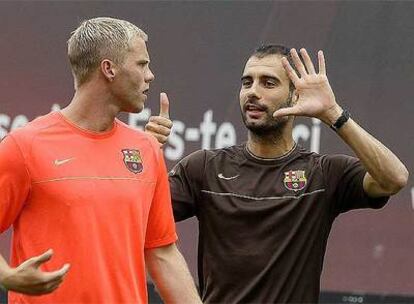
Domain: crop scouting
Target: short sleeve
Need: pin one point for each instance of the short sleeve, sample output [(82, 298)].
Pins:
[(161, 227), (14, 182), (344, 176), (185, 179)]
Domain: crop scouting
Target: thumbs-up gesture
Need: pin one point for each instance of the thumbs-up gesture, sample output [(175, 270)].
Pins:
[(160, 126)]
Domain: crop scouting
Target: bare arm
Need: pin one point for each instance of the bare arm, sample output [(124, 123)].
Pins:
[(28, 278), (386, 174), (170, 274)]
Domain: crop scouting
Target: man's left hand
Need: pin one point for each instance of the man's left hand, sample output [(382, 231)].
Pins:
[(316, 98)]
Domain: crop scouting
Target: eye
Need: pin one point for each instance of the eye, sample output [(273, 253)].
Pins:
[(246, 83), (143, 64), (270, 83)]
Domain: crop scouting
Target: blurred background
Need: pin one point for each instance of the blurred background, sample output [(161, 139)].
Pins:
[(198, 50)]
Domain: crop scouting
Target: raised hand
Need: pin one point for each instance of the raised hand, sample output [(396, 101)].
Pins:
[(316, 98), (160, 126), (28, 278)]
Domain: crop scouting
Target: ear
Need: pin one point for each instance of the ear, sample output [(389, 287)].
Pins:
[(108, 69)]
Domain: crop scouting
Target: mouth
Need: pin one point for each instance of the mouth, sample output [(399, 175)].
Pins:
[(254, 110), (145, 92)]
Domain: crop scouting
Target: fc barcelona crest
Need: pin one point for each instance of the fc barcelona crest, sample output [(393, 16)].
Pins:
[(132, 160), (295, 180)]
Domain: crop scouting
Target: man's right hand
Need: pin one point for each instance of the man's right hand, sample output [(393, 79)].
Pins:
[(28, 278)]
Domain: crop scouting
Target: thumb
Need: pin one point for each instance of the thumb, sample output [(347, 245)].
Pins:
[(57, 275), (44, 257), (286, 112), (164, 105)]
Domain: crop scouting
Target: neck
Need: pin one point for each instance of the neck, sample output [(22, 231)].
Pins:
[(91, 109), (271, 145)]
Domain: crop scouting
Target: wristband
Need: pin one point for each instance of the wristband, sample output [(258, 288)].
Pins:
[(341, 120)]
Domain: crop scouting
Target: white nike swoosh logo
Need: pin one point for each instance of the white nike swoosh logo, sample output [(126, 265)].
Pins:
[(59, 162), (220, 175)]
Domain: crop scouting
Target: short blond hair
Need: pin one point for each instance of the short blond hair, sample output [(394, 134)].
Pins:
[(96, 39)]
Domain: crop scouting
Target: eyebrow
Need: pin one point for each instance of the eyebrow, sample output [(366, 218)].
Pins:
[(245, 77), (266, 76)]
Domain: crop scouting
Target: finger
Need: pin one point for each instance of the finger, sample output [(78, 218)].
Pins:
[(166, 122), (286, 112), (298, 62), (52, 286), (164, 105), (157, 129), (57, 274), (290, 71), (160, 138), (44, 257), (308, 61), (321, 60)]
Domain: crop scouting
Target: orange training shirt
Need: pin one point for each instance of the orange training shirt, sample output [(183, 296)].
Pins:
[(96, 199)]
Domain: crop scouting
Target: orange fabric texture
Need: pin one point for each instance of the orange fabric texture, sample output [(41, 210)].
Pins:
[(96, 199)]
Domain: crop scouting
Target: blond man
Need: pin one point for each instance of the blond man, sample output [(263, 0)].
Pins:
[(94, 190)]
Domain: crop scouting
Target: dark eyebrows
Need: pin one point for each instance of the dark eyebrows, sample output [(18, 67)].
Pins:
[(265, 76), (246, 78)]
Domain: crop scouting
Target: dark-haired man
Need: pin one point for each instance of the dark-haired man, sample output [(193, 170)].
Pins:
[(266, 207)]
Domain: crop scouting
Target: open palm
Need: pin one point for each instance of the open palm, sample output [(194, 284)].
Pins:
[(316, 97)]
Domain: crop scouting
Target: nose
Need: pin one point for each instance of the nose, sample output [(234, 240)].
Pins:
[(253, 92), (149, 76)]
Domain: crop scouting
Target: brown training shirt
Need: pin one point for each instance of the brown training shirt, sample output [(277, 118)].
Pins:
[(264, 223)]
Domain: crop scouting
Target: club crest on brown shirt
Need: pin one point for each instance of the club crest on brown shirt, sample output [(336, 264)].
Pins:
[(132, 160), (295, 180)]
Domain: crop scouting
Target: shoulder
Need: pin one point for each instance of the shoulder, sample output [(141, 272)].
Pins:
[(196, 158), (229, 153), (208, 156), (26, 134)]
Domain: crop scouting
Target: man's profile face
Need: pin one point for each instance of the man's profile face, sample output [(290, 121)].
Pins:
[(133, 77), (264, 89)]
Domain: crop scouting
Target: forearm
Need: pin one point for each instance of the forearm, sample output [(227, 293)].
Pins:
[(387, 174), (4, 267), (170, 274)]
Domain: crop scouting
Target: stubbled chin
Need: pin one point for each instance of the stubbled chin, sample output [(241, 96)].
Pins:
[(139, 109), (136, 108)]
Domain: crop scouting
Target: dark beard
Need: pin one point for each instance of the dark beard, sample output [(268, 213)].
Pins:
[(271, 126), (268, 127)]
